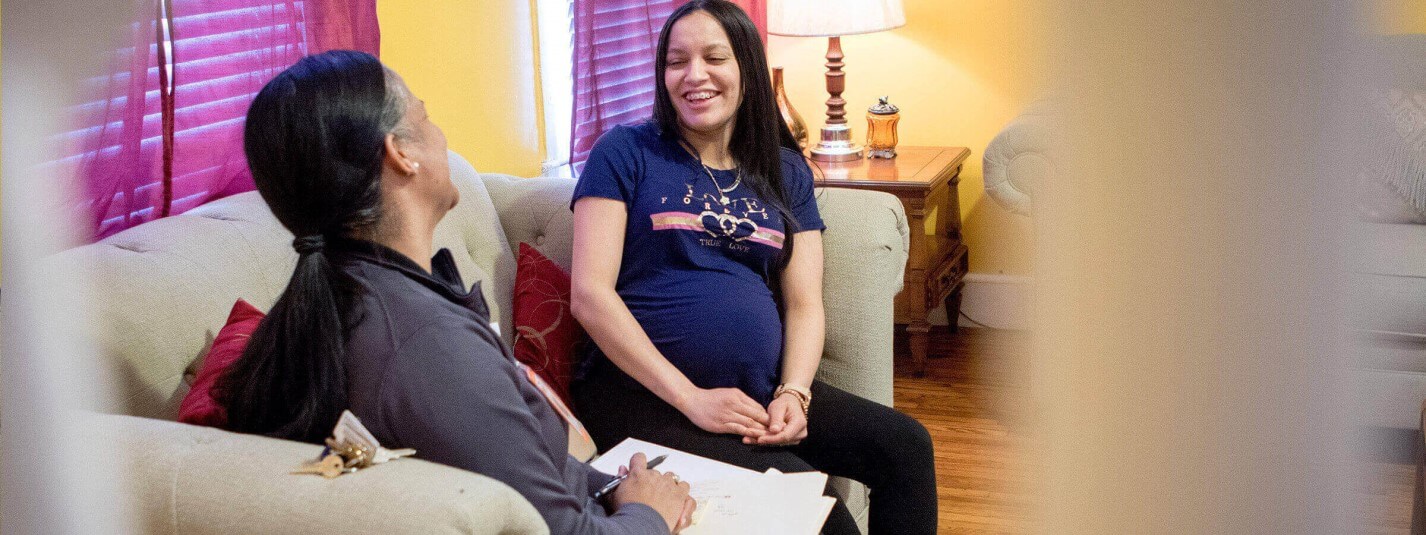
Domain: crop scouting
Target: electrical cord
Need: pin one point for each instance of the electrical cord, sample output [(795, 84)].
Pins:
[(972, 320)]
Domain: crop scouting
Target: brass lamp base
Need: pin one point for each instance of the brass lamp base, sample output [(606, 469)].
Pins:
[(836, 145)]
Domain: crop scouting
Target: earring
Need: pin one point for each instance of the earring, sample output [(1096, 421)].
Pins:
[(415, 167)]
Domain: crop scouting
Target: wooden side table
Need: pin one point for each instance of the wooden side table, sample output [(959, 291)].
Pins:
[(926, 179)]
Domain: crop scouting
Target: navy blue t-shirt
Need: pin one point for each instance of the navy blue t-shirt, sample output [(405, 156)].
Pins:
[(697, 259)]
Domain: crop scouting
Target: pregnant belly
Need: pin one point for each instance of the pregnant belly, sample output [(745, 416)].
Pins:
[(727, 339)]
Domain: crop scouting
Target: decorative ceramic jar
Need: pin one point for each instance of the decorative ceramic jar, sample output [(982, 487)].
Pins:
[(881, 129)]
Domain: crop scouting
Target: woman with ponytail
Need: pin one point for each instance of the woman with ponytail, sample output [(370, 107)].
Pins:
[(375, 321), (698, 273)]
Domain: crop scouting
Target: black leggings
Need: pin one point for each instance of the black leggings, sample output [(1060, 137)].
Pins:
[(847, 436)]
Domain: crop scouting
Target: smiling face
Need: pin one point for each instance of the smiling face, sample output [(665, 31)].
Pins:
[(702, 76)]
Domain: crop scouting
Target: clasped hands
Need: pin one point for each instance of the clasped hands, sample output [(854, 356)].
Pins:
[(729, 410)]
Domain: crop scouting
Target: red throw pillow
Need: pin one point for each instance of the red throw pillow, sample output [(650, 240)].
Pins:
[(546, 334), (199, 407)]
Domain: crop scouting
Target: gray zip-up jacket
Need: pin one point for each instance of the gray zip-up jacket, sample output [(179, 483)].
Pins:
[(425, 370)]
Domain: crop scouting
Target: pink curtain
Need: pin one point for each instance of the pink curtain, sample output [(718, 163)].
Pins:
[(757, 10), (343, 25), (167, 136), (614, 45)]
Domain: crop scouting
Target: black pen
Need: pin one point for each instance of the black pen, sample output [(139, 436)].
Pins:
[(615, 483)]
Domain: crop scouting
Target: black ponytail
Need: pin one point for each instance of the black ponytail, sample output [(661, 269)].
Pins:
[(315, 140), (291, 381)]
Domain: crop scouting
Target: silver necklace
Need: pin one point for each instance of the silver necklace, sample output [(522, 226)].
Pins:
[(723, 193)]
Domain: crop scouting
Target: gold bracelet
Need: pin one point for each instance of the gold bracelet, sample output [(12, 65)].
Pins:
[(803, 395)]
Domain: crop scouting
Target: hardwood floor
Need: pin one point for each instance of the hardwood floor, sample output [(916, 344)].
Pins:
[(973, 399), (1383, 497), (969, 400)]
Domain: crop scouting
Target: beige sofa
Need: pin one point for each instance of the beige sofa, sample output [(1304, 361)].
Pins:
[(165, 289), (1387, 258)]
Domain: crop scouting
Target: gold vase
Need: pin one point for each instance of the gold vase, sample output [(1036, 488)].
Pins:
[(789, 115)]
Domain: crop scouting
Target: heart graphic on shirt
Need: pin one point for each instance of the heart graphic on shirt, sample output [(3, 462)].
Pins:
[(737, 228)]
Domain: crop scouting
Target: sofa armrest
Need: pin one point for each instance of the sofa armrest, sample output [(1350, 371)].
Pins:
[(866, 245), (190, 479), (535, 211), (1019, 160)]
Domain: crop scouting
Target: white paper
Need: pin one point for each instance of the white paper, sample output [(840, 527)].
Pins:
[(803, 491), (734, 499), (689, 467)]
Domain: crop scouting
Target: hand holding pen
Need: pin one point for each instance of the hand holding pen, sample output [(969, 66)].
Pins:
[(640, 483), (624, 474)]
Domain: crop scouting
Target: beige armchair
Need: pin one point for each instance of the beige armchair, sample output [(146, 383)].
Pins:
[(165, 288)]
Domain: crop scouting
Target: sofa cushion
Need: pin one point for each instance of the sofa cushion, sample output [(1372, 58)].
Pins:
[(536, 211), (1388, 249), (1387, 293), (545, 332), (200, 480), (199, 407), (166, 285), (1388, 281), (473, 233)]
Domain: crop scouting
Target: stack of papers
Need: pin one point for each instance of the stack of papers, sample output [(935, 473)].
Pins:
[(733, 499)]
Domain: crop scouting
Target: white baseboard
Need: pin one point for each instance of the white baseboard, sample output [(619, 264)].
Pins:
[(999, 301)]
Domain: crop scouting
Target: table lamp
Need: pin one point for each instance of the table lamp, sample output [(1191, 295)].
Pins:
[(833, 19)]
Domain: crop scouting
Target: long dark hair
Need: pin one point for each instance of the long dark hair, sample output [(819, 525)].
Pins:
[(758, 131), (315, 141)]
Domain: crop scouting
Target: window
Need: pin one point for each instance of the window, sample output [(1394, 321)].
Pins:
[(555, 20), (613, 83), (194, 67), (614, 45)]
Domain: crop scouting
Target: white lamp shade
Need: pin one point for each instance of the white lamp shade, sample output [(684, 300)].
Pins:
[(827, 18)]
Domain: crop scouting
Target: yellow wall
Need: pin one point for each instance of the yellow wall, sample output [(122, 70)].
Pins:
[(474, 65), (1396, 16), (959, 71)]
